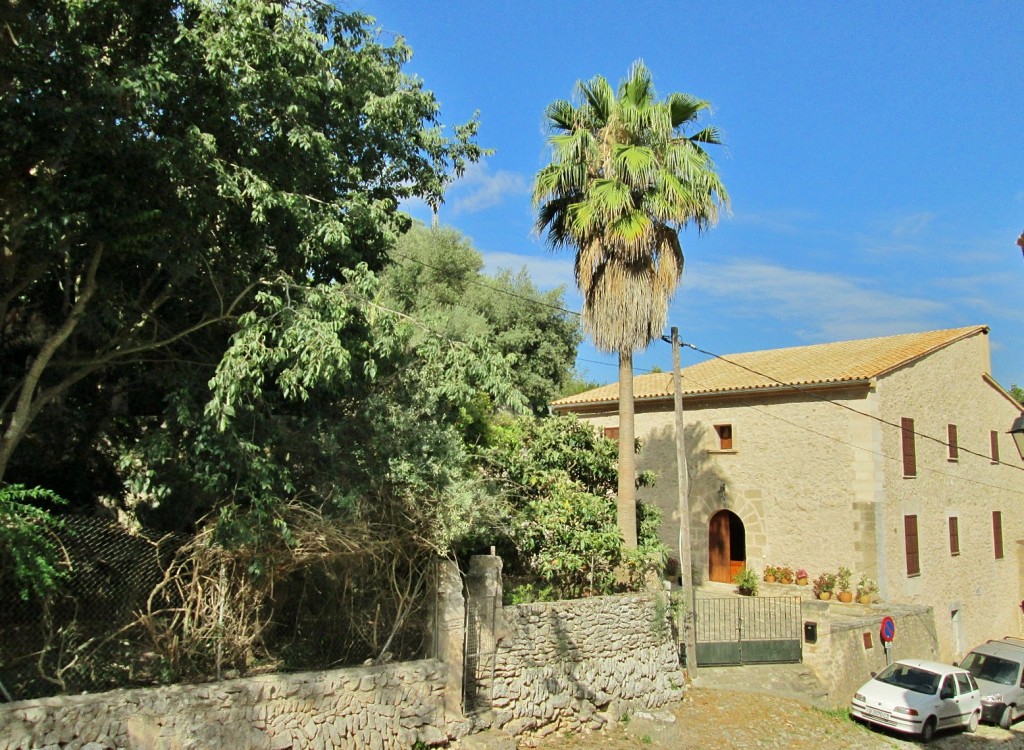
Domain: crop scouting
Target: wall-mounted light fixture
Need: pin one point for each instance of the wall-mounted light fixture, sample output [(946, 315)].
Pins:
[(1017, 432)]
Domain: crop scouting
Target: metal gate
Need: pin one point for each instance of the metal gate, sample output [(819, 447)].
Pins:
[(748, 630)]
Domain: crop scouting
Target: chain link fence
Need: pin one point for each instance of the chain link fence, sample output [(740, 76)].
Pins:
[(119, 616)]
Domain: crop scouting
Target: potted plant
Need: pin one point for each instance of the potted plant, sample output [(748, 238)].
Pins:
[(746, 581), (866, 589), (785, 574), (843, 584), (771, 573), (824, 585), (801, 577)]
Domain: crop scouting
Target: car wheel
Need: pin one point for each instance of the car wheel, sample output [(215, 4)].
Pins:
[(928, 730), (1007, 718), (972, 723)]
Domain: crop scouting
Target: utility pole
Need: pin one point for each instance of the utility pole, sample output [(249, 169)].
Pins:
[(683, 509)]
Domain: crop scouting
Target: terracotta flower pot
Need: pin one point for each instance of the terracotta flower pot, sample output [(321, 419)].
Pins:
[(845, 597), (787, 581), (769, 579)]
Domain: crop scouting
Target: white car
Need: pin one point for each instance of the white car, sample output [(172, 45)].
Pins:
[(919, 697)]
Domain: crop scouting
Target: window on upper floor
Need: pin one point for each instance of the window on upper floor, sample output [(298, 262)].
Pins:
[(910, 541), (993, 439), (724, 432), (909, 447), (997, 533), (954, 448), (954, 536)]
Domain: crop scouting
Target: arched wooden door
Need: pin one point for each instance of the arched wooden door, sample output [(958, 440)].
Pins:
[(727, 546)]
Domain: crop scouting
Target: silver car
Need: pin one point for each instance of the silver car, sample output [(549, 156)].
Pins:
[(998, 667)]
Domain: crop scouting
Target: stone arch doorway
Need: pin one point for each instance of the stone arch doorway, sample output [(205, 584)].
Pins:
[(727, 546)]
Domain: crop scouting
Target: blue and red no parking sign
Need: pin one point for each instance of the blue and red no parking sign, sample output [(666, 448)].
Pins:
[(888, 631)]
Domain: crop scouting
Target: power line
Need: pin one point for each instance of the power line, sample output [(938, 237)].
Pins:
[(811, 392)]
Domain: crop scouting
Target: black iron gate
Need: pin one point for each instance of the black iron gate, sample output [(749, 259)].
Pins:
[(748, 630)]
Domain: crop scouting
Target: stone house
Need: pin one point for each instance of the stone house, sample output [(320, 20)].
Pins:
[(890, 456)]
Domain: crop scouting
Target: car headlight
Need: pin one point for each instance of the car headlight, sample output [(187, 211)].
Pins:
[(858, 697), (905, 710), (994, 698)]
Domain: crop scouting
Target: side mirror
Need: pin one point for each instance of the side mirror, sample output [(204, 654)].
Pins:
[(874, 675)]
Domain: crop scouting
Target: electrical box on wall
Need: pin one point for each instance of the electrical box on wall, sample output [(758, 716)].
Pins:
[(810, 631)]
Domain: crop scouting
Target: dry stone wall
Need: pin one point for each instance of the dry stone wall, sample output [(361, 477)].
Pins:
[(582, 663), (378, 708)]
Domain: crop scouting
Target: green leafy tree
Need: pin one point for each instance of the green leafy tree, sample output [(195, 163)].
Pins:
[(1018, 393), (437, 277), (162, 161), (558, 476), (28, 547), (624, 178)]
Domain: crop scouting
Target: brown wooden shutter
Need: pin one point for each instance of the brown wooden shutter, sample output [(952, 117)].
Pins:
[(997, 533), (909, 449), (954, 535), (954, 448), (910, 535), (611, 432), (724, 436), (994, 440)]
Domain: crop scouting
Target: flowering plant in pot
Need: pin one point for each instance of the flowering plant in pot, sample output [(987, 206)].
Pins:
[(801, 577), (785, 574), (824, 585), (746, 581), (866, 589), (771, 573)]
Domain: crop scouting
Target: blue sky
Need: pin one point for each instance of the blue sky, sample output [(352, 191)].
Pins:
[(874, 153)]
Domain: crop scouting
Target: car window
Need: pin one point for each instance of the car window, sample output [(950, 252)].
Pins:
[(991, 668), (948, 687), (910, 678), (963, 681)]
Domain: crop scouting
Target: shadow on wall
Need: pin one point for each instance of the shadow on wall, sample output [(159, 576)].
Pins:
[(709, 489)]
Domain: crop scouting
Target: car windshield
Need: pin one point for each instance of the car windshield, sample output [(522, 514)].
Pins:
[(991, 668), (910, 678)]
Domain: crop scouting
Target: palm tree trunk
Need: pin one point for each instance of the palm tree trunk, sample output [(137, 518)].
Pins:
[(626, 505)]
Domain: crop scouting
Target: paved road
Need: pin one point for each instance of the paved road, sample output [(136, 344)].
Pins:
[(726, 719)]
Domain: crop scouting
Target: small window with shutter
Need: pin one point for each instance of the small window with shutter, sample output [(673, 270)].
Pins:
[(954, 536), (724, 432), (611, 432), (910, 539), (909, 448), (954, 448), (997, 533)]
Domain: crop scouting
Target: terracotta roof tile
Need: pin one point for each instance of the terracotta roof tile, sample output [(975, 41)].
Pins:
[(819, 364)]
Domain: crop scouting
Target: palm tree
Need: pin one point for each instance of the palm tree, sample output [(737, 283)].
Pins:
[(624, 178)]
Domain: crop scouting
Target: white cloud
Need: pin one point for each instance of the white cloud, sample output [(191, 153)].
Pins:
[(547, 272), (479, 189), (815, 306)]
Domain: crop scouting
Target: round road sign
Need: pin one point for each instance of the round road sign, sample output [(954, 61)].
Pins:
[(888, 628)]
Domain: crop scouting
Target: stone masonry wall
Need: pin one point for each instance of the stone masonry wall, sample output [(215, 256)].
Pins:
[(379, 708), (583, 663), (849, 649)]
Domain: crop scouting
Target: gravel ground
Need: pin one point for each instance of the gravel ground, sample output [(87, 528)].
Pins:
[(723, 719)]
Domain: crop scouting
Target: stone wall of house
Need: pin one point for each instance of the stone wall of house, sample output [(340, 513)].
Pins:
[(805, 501), (975, 596), (849, 648)]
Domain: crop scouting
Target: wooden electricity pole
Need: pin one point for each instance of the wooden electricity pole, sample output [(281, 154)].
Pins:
[(683, 509)]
